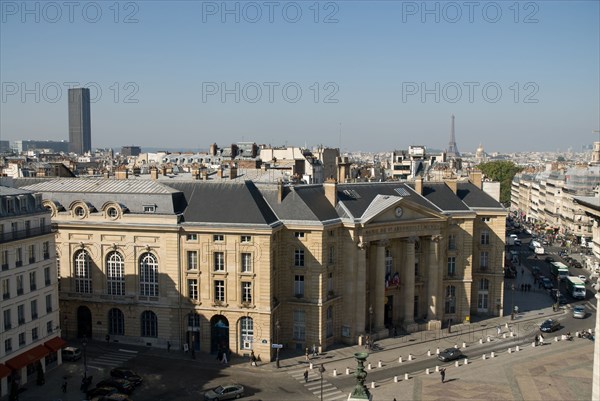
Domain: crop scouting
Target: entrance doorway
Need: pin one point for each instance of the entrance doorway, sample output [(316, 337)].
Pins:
[(84, 322), (388, 314), (219, 333)]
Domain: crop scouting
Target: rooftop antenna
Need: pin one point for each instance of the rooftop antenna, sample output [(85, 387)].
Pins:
[(340, 140)]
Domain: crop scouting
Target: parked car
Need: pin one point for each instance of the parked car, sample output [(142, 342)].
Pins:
[(112, 397), (549, 259), (71, 353), (579, 312), (549, 326), (559, 297), (124, 386), (127, 374), (101, 391), (226, 392), (583, 278), (547, 283), (450, 354)]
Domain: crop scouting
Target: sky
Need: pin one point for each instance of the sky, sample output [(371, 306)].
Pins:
[(364, 76)]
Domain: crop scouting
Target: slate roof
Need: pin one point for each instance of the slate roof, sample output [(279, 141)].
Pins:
[(294, 204), (474, 197), (9, 191), (227, 203), (443, 197)]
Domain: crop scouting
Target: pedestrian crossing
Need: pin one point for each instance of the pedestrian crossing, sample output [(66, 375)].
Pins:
[(112, 359), (330, 392)]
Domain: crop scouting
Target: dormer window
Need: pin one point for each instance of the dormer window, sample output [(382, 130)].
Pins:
[(112, 212), (79, 212), (149, 208)]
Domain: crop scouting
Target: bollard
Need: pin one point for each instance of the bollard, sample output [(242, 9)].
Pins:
[(464, 345), (400, 360), (506, 325), (577, 334), (427, 371), (334, 372), (563, 337), (395, 379), (456, 364), (428, 352), (372, 384), (555, 339), (310, 366), (481, 341), (489, 339), (512, 334), (466, 361), (406, 376), (437, 368), (379, 364), (347, 371), (410, 357), (483, 356), (456, 346), (492, 354), (517, 349), (437, 351), (369, 366), (503, 335), (509, 350)]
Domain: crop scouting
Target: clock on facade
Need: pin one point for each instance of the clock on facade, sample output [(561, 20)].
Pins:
[(398, 211)]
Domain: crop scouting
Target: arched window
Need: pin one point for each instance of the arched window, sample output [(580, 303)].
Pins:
[(247, 332), (450, 305), (115, 275), (83, 277), (149, 324), (148, 275), (116, 322), (329, 322)]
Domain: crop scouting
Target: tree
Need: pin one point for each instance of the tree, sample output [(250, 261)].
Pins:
[(502, 171)]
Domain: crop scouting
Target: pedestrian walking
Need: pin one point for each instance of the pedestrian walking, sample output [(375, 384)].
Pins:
[(499, 330), (522, 271), (252, 358), (395, 332), (306, 376), (224, 360), (443, 374), (107, 338), (168, 346), (64, 386), (306, 354), (314, 350)]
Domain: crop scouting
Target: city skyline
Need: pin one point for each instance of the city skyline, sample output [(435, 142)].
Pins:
[(518, 77)]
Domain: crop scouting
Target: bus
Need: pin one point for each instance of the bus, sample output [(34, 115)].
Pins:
[(559, 270), (576, 287)]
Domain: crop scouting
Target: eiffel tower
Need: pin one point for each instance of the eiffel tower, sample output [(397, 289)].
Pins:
[(452, 148)]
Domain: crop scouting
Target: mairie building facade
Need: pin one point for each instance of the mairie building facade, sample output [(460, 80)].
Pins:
[(203, 266)]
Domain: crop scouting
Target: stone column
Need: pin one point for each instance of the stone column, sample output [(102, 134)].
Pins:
[(379, 287), (360, 295), (432, 283), (409, 282)]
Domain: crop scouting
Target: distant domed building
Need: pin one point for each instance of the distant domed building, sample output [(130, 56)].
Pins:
[(480, 154)]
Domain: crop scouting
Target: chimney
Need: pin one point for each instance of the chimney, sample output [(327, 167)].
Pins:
[(476, 178), (279, 191), (419, 185), (106, 174), (154, 173), (220, 171), (232, 172), (121, 174), (330, 187), (451, 182)]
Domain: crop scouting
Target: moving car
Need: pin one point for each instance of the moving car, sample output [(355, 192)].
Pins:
[(124, 386), (450, 354), (559, 297), (127, 374), (583, 278), (549, 326), (579, 312), (547, 283), (226, 392), (101, 391), (71, 354)]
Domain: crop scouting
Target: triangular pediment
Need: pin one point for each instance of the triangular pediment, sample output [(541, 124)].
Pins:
[(389, 208)]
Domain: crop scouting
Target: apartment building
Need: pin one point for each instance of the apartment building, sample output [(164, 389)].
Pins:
[(207, 265), (30, 327)]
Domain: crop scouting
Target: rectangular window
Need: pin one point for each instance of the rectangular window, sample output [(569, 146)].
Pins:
[(486, 219), (7, 319), (19, 257), (46, 249), (8, 345), (245, 239), (330, 284), (451, 266), (299, 325), (192, 260), (452, 242), (5, 288), (27, 227), (32, 282), (193, 289), (34, 309), (219, 264), (47, 279), (219, 291), (20, 281), (48, 303), (331, 255), (192, 237), (21, 314), (299, 285), (484, 260), (218, 238), (450, 304), (246, 292), (31, 253), (299, 257), (299, 234), (246, 262), (21, 339), (49, 327), (4, 259), (485, 237), (149, 208), (34, 333)]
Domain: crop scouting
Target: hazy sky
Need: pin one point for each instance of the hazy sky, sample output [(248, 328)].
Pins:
[(387, 74)]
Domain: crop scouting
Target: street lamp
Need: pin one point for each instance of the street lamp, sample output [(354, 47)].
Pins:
[(512, 303), (321, 370), (84, 345), (277, 327), (370, 322)]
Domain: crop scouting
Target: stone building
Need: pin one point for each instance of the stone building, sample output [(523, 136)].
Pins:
[(204, 265)]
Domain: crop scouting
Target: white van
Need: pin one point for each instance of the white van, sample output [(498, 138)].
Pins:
[(71, 354)]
